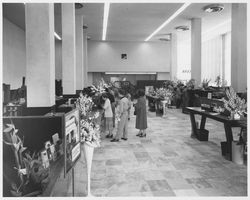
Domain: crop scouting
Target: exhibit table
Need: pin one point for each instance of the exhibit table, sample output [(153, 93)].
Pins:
[(228, 124)]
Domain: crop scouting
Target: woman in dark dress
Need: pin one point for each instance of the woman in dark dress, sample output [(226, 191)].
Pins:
[(141, 114)]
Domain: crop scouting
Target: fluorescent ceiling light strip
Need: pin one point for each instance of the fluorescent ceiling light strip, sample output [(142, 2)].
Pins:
[(105, 20), (182, 8), (130, 72), (57, 36)]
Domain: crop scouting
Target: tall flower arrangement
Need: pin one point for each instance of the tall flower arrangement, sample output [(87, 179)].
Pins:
[(89, 127), (84, 104), (233, 103)]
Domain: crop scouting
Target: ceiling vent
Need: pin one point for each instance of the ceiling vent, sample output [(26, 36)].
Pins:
[(213, 8), (78, 5), (182, 28)]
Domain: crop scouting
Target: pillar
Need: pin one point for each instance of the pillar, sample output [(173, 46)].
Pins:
[(68, 49), (85, 58), (196, 50), (79, 53), (173, 70), (239, 47), (40, 54)]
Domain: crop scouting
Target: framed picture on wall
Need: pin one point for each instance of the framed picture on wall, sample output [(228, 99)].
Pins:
[(124, 56)]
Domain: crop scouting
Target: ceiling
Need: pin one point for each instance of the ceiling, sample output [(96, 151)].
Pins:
[(130, 21)]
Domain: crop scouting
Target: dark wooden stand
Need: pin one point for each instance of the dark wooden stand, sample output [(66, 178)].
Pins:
[(228, 124)]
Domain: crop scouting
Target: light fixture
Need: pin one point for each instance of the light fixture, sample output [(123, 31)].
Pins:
[(105, 20), (182, 8), (130, 72), (57, 36), (88, 38), (164, 37), (84, 26), (213, 8), (78, 5), (182, 28)]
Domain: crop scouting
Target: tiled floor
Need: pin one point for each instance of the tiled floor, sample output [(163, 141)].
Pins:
[(168, 162)]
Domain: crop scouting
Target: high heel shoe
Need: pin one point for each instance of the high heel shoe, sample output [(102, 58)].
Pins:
[(143, 135), (138, 134)]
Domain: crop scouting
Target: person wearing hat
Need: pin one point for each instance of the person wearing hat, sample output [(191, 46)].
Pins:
[(122, 112)]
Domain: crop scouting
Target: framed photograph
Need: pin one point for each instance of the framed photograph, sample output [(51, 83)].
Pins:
[(72, 145)]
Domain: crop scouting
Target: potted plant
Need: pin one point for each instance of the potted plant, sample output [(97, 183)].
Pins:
[(234, 104), (32, 177)]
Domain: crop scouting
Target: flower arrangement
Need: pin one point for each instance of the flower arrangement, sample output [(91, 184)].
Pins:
[(90, 130), (32, 177), (234, 104), (205, 83), (100, 87), (190, 84), (89, 127), (164, 93), (84, 104)]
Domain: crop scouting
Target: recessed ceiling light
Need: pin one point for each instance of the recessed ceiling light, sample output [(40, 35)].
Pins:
[(213, 8), (84, 26), (164, 39), (182, 28), (78, 5), (88, 37)]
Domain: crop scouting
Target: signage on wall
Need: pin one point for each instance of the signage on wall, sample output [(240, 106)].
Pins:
[(72, 146), (124, 56), (186, 71)]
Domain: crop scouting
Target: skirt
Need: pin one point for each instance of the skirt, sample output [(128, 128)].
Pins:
[(108, 123)]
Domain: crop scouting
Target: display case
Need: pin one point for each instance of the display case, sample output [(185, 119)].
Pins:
[(32, 154)]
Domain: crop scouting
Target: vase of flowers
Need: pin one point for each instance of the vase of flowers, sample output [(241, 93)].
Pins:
[(89, 130)]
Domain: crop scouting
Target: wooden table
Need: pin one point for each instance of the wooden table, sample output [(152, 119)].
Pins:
[(228, 124)]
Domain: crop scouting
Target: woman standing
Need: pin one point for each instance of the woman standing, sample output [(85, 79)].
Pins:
[(141, 114), (108, 115)]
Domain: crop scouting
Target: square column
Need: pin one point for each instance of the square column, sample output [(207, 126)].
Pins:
[(79, 53), (40, 54), (173, 72), (68, 49), (239, 47), (85, 58), (196, 50)]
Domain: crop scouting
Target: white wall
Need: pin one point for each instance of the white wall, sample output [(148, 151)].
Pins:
[(14, 54), (141, 56), (163, 76)]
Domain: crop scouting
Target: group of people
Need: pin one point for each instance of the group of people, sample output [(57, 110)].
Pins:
[(117, 108)]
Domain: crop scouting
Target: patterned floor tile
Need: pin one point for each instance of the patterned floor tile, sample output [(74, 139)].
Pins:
[(168, 162)]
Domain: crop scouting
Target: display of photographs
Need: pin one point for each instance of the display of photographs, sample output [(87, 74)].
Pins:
[(72, 146)]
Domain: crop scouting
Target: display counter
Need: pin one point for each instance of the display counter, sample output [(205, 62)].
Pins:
[(202, 134)]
